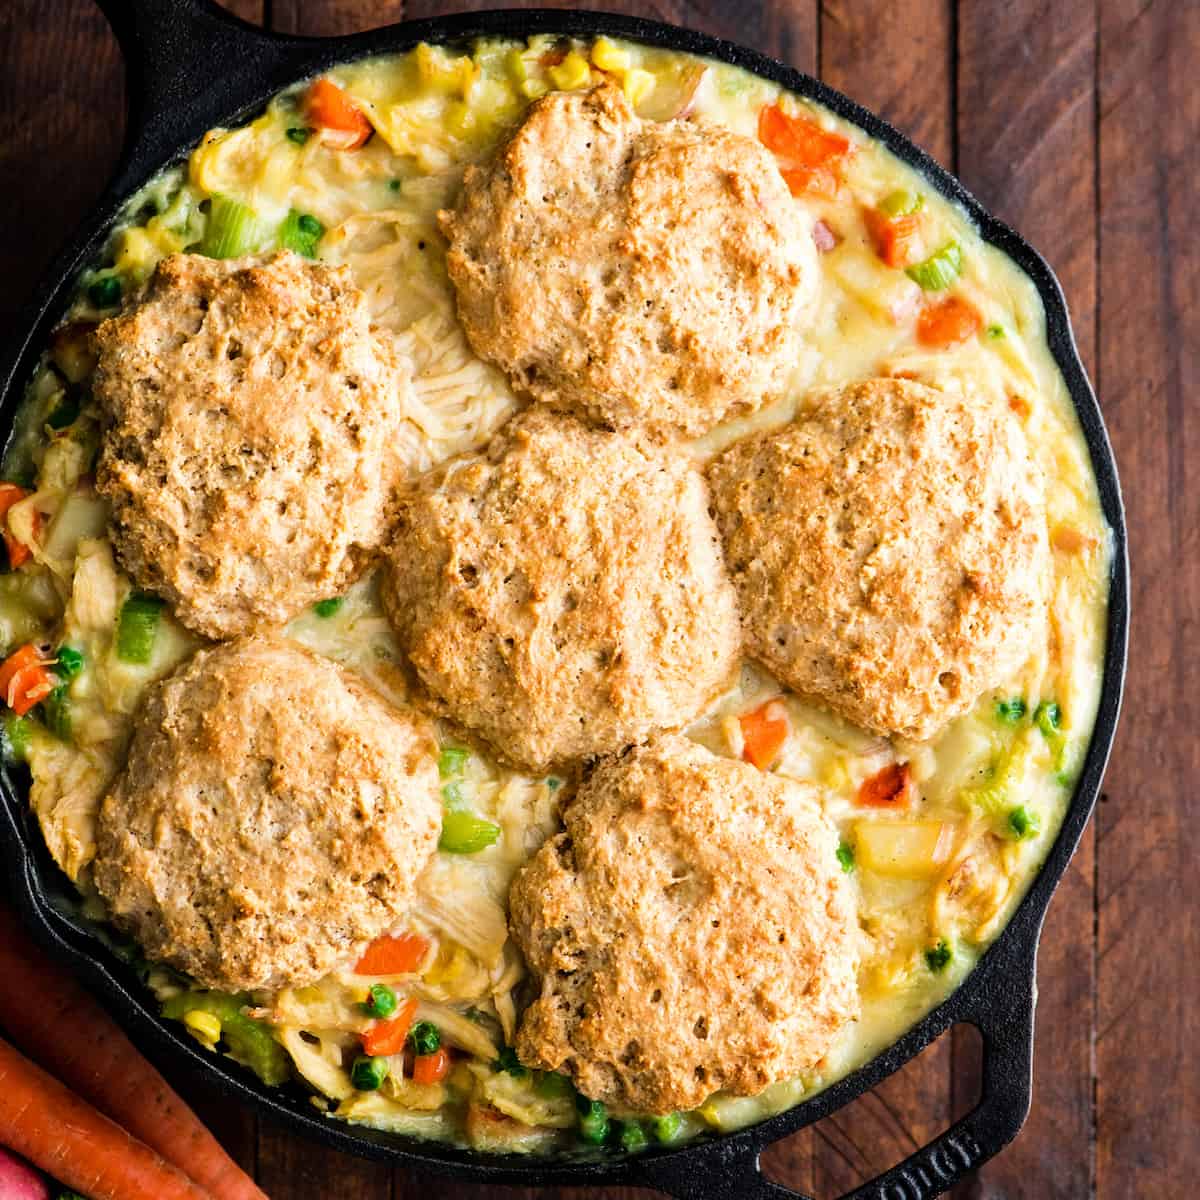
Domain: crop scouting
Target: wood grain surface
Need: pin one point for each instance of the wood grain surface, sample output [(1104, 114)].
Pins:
[(1079, 124)]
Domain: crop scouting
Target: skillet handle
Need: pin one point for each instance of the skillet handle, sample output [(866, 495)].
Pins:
[(1002, 1009), (187, 64)]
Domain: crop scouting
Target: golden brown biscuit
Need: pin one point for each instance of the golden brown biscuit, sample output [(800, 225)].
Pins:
[(889, 550), (690, 931), (563, 595), (248, 457), (272, 819), (632, 272)]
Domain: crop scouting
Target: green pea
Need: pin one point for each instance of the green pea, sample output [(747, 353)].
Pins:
[(666, 1129), (593, 1120), (328, 608), (70, 662), (1022, 823), (633, 1137), (381, 1000), (425, 1037), (938, 957), (299, 135), (845, 856), (1012, 710), (508, 1062), (106, 292), (368, 1073)]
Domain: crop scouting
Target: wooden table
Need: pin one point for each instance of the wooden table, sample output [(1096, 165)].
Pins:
[(1079, 124)]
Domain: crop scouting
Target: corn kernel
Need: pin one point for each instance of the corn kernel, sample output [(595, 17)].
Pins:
[(608, 56), (204, 1025), (573, 72), (533, 89), (638, 85)]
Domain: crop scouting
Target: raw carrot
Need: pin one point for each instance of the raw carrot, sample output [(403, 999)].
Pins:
[(45, 1122), (431, 1068), (18, 552), (387, 1037), (951, 321), (393, 955), (763, 733), (343, 125), (24, 680), (889, 788), (55, 1021)]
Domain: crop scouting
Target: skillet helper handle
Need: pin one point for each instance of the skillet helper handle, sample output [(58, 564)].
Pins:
[(1001, 1007), (187, 62)]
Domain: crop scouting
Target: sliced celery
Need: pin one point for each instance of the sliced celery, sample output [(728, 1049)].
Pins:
[(465, 833), (137, 627), (249, 1041), (233, 229), (938, 271), (901, 203)]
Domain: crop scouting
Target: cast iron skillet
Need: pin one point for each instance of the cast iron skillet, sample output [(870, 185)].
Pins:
[(191, 66)]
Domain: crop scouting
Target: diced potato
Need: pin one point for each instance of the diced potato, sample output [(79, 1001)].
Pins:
[(884, 290), (907, 849)]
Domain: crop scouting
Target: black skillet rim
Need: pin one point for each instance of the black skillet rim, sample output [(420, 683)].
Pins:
[(285, 60)]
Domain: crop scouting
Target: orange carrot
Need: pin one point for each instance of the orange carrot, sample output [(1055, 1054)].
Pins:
[(18, 552), (55, 1021), (895, 238), (763, 733), (889, 788), (799, 140), (387, 1037), (24, 680), (952, 321), (343, 125), (431, 1068), (393, 955), (810, 181), (45, 1122)]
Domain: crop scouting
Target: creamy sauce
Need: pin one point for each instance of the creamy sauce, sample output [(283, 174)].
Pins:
[(935, 882)]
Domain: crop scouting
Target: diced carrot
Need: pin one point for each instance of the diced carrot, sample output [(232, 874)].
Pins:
[(18, 552), (387, 1037), (895, 238), (393, 955), (552, 58), (948, 323), (431, 1068), (810, 181), (889, 788), (343, 125), (763, 733), (24, 680), (798, 139)]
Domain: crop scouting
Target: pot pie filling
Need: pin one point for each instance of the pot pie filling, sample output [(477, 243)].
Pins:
[(921, 848)]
